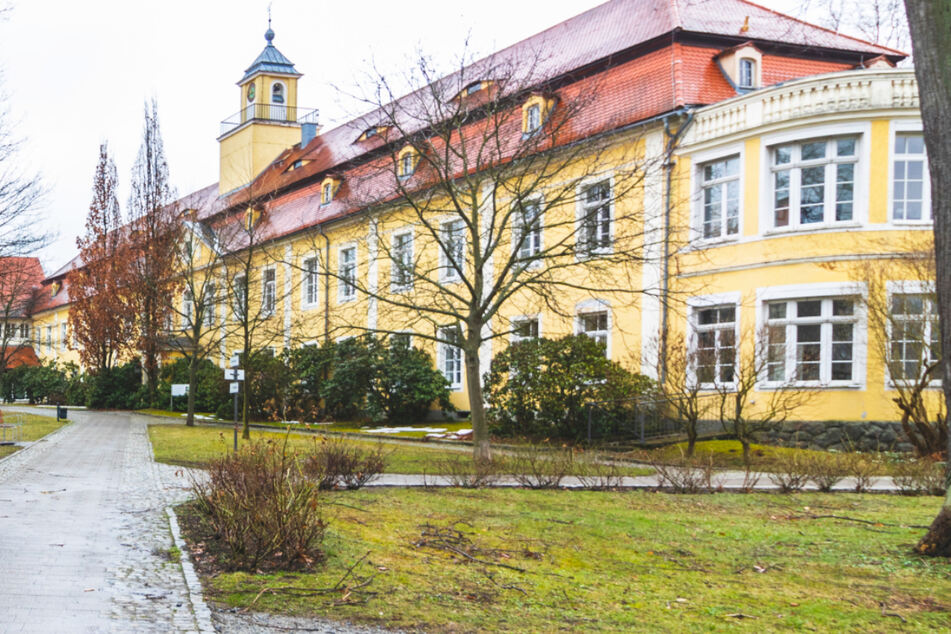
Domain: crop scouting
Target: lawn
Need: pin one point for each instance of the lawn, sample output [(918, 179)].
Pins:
[(196, 446), (620, 561), (728, 454), (34, 428)]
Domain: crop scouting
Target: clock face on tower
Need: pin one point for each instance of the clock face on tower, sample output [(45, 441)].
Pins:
[(250, 92)]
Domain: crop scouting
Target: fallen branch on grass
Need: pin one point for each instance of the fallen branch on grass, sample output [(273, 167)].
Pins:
[(845, 518), (297, 591), (454, 541)]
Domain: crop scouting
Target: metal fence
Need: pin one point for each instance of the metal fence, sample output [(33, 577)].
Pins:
[(648, 421)]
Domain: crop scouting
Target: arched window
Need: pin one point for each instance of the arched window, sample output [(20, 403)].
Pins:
[(277, 92)]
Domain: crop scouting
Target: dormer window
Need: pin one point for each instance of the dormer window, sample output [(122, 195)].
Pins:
[(533, 118), (534, 113), (406, 164), (327, 189), (277, 92), (370, 133), (473, 88), (747, 74)]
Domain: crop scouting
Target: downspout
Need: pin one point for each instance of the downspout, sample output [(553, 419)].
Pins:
[(326, 284), (672, 140)]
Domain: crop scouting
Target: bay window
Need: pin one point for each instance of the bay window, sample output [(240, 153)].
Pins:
[(910, 185), (812, 341), (813, 182)]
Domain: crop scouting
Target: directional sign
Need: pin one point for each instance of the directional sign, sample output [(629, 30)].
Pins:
[(235, 388), (235, 360), (234, 375), (179, 389)]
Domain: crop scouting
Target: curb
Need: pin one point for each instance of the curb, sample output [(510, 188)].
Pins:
[(200, 609)]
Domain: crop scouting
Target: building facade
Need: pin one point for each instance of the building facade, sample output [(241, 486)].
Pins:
[(769, 175)]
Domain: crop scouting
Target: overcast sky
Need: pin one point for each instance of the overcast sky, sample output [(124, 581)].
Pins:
[(77, 73)]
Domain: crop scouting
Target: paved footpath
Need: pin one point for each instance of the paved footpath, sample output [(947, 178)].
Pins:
[(84, 535)]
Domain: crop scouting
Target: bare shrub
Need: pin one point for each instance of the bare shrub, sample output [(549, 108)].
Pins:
[(792, 471), (463, 472), (262, 509), (751, 476), (540, 466), (338, 464), (919, 476), (862, 467), (826, 470), (597, 471), (688, 474)]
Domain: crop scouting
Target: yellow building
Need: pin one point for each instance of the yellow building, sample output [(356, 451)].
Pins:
[(731, 182)]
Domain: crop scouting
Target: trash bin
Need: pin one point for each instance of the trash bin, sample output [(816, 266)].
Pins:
[(60, 412)]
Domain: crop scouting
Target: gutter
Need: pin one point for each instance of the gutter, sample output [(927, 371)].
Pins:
[(673, 139)]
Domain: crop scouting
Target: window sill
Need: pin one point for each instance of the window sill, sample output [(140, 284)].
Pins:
[(703, 243), (313, 306), (893, 386), (912, 223), (399, 290), (346, 300), (770, 387), (808, 228)]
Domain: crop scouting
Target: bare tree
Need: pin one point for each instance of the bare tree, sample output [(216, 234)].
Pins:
[(747, 406), (903, 308), (879, 21), (514, 195), (248, 269), (930, 22), (198, 308), (688, 389), (154, 229)]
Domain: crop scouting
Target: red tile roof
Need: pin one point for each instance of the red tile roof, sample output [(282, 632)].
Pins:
[(20, 277), (24, 355), (653, 56)]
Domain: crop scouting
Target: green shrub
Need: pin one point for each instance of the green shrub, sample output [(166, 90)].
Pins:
[(541, 388), (211, 390), (116, 388)]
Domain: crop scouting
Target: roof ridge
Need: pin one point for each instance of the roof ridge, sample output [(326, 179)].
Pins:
[(822, 28)]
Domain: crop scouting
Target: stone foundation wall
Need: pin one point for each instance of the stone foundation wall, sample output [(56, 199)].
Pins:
[(839, 436)]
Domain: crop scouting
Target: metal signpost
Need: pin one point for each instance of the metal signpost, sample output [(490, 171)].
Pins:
[(235, 375), (178, 389)]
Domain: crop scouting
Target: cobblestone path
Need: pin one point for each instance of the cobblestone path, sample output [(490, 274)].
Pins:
[(84, 537)]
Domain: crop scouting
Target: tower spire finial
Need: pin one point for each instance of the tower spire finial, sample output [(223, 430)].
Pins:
[(269, 34)]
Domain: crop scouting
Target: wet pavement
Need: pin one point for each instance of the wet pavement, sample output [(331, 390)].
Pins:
[(84, 535)]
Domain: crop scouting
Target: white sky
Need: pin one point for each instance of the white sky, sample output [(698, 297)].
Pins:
[(78, 73)]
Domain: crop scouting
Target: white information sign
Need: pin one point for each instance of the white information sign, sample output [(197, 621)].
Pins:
[(235, 360), (179, 389), (235, 388), (234, 375)]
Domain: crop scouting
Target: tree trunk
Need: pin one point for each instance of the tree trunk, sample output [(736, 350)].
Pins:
[(746, 451), (480, 427), (192, 380), (930, 22), (691, 440)]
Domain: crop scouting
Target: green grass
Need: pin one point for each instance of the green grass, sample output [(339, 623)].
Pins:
[(34, 427), (630, 561), (196, 446), (728, 454)]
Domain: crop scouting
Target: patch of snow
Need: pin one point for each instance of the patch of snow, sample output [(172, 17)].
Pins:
[(400, 430)]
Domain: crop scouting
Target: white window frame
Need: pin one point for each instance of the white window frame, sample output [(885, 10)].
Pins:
[(750, 63), (702, 159), (188, 308), (907, 287), (395, 283), (310, 282), (240, 297), (584, 250), (536, 239), (595, 306), (447, 272), (268, 309), (284, 95), (49, 338), (64, 341), (533, 123), (211, 303), (516, 321), (347, 290), (821, 291), (861, 130), (449, 353), (326, 194), (704, 302), (907, 127)]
